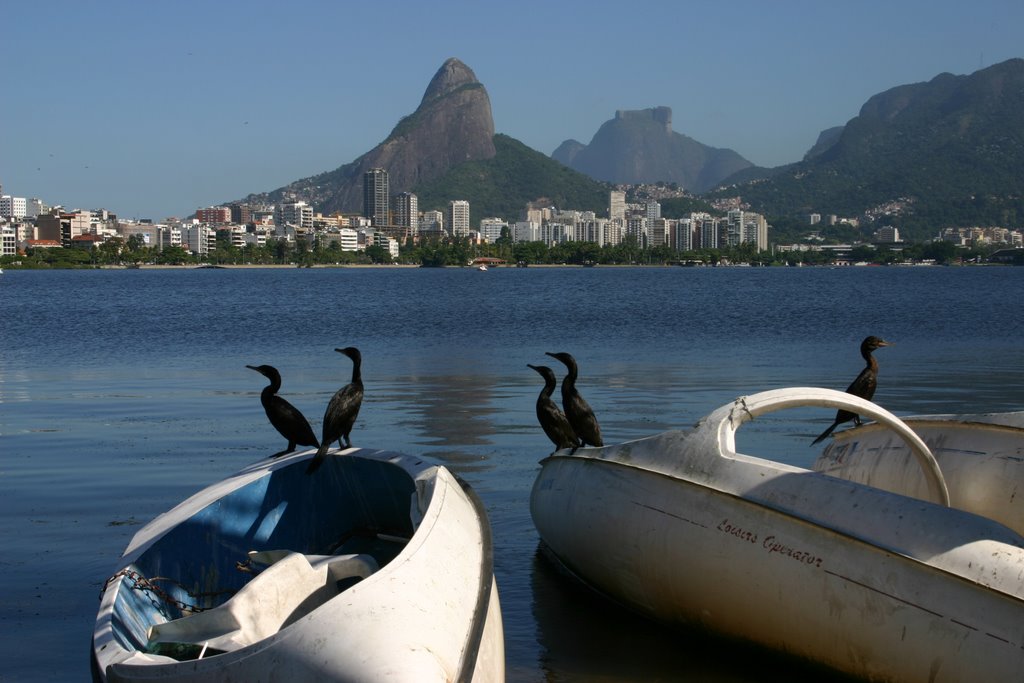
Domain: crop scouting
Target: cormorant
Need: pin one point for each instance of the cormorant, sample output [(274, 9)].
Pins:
[(285, 417), (341, 410), (863, 386), (552, 419), (577, 411)]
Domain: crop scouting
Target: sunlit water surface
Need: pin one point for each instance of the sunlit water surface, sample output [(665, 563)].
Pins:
[(123, 392)]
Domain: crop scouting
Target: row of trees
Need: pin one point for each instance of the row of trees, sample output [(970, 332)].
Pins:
[(459, 252)]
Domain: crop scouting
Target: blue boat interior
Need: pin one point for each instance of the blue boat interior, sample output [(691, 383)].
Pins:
[(349, 505)]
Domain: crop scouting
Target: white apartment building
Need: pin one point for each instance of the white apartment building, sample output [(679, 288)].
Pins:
[(706, 226), (592, 229), (458, 217), (13, 208), (432, 222), (682, 238), (299, 214), (349, 239), (552, 233), (526, 231), (490, 229), (198, 238), (405, 211), (8, 240), (617, 205), (390, 245), (637, 228), (652, 210)]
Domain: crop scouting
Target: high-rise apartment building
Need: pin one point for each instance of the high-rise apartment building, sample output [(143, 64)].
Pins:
[(405, 211), (458, 217), (617, 205), (375, 196)]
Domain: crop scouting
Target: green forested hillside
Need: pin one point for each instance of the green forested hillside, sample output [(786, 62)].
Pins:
[(951, 150), (503, 185)]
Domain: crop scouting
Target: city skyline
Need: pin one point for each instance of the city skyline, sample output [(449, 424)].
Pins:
[(153, 111)]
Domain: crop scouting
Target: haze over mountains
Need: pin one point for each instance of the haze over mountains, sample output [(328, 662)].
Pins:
[(950, 148), (641, 147)]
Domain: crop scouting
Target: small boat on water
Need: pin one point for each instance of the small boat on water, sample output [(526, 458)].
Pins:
[(377, 566), (981, 457), (880, 585)]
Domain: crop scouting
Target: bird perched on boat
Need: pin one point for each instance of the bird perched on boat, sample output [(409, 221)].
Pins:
[(863, 386), (341, 410), (286, 418), (577, 411), (552, 419)]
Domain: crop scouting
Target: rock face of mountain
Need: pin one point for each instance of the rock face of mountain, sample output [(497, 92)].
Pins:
[(641, 147), (951, 149), (452, 125)]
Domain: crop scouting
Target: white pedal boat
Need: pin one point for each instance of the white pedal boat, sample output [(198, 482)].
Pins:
[(682, 528)]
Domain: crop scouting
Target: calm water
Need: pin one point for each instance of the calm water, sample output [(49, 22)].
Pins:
[(122, 392)]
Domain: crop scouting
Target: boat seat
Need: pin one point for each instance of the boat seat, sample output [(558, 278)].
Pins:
[(291, 587)]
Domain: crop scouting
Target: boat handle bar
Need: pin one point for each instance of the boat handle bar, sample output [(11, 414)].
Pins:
[(746, 408)]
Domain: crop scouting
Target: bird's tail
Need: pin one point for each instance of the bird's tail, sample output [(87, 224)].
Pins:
[(318, 459), (821, 437)]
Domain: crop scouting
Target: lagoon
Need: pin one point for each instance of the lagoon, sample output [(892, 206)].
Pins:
[(123, 392)]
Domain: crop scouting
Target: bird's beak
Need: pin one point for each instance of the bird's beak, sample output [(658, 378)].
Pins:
[(253, 367), (548, 353)]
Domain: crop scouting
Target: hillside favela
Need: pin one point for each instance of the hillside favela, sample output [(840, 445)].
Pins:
[(444, 189)]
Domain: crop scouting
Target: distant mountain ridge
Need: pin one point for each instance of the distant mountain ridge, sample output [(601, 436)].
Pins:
[(950, 149), (640, 146)]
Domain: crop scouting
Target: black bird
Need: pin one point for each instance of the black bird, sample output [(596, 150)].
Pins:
[(552, 419), (863, 386), (577, 411), (285, 417), (341, 410)]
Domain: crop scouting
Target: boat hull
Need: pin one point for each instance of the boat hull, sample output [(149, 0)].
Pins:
[(981, 456), (430, 612), (787, 558)]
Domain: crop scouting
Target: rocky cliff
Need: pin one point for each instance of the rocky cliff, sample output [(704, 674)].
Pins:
[(452, 125)]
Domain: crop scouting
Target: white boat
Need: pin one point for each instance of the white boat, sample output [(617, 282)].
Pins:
[(482, 266), (981, 457), (378, 566), (681, 527)]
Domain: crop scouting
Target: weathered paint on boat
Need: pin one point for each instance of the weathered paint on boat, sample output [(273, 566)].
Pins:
[(681, 527), (981, 457), (430, 611)]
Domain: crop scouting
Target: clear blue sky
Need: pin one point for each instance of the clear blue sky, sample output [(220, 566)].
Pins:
[(156, 109)]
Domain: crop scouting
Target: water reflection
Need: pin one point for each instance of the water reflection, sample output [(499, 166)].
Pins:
[(585, 637)]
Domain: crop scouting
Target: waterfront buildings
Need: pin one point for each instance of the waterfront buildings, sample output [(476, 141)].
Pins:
[(298, 214), (375, 196), (405, 210), (458, 218), (13, 208)]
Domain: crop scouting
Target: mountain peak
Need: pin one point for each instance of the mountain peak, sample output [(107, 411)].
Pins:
[(452, 125), (452, 75), (639, 146)]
